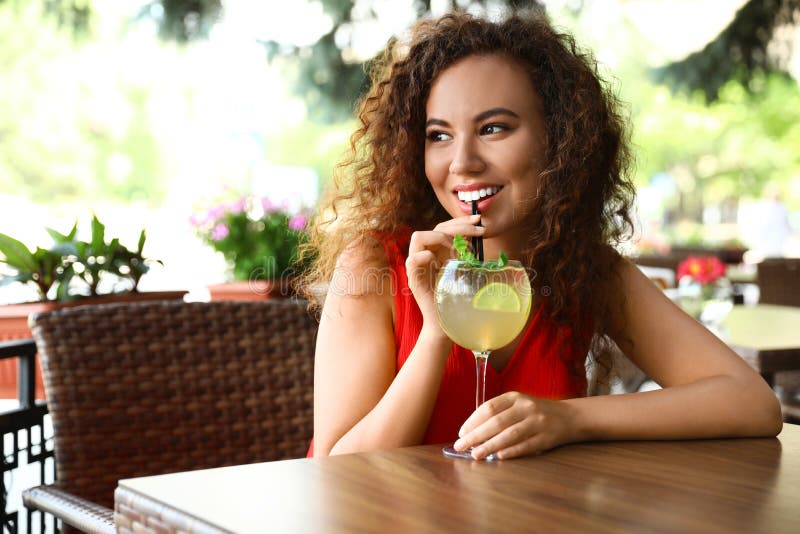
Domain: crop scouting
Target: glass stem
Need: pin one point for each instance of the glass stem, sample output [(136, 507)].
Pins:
[(481, 359)]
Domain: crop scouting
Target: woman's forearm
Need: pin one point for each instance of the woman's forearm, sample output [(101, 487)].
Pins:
[(401, 416), (718, 406)]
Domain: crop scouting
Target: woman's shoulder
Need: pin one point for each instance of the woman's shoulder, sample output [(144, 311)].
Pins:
[(361, 254), (362, 268)]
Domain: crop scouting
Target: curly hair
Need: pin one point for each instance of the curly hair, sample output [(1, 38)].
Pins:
[(583, 203)]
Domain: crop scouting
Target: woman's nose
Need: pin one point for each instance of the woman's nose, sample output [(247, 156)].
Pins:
[(466, 158)]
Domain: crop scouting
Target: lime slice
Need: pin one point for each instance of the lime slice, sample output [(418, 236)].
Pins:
[(497, 296)]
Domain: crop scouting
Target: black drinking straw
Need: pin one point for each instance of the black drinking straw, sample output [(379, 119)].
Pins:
[(477, 241)]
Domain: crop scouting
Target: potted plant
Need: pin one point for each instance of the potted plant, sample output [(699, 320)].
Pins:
[(702, 281), (71, 272), (259, 240)]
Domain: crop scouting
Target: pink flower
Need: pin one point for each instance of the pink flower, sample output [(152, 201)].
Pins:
[(219, 232), (705, 269), (238, 206), (197, 219), (298, 222), (267, 205), (215, 213)]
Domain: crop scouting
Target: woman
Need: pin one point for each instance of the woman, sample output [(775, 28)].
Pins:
[(515, 111)]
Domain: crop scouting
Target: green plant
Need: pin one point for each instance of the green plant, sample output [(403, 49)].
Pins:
[(465, 255), (72, 268), (257, 237)]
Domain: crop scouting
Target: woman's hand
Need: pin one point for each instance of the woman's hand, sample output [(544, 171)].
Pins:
[(515, 424), (427, 252)]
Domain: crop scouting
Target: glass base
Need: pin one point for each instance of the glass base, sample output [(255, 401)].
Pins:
[(450, 452)]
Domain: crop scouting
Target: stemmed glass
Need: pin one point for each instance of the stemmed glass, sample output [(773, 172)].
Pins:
[(482, 308)]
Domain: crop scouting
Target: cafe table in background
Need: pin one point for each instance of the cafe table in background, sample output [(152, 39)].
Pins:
[(726, 485), (765, 335)]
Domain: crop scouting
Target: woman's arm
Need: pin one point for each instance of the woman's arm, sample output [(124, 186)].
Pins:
[(359, 404), (708, 391)]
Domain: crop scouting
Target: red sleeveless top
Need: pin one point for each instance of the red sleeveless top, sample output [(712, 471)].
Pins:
[(540, 366)]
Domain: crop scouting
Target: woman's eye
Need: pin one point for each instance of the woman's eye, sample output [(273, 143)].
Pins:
[(437, 136), (490, 129)]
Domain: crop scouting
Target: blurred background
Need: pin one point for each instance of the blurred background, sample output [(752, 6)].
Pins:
[(149, 114)]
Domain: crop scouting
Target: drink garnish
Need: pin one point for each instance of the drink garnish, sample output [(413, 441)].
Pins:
[(497, 296), (465, 255)]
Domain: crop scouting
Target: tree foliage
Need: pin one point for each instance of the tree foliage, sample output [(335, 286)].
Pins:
[(736, 146), (179, 20), (73, 126), (329, 81), (183, 20), (741, 52)]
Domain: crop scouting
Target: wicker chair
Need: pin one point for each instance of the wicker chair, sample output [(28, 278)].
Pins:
[(157, 387), (779, 281)]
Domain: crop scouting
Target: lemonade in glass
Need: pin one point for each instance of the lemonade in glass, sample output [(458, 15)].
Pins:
[(482, 307)]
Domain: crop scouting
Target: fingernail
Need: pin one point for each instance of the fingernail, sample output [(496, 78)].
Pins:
[(458, 445), (461, 432), (477, 453)]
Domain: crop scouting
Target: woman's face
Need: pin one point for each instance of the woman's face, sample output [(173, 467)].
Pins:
[(485, 136)]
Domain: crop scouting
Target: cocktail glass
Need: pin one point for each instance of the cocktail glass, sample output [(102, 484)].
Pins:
[(482, 308)]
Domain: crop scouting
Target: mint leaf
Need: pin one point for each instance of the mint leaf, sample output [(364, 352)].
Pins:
[(502, 261), (461, 245)]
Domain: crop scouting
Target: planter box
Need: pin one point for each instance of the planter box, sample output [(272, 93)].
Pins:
[(252, 290), (14, 325)]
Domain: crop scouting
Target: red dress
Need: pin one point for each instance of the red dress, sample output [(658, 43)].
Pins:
[(540, 365)]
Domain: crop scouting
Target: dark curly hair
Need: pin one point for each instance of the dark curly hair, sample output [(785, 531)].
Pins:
[(582, 207)]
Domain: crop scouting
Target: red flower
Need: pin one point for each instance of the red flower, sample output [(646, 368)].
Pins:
[(704, 269)]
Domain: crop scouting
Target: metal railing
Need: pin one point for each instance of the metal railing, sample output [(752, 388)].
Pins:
[(28, 458)]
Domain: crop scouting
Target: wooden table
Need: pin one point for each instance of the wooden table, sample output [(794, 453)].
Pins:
[(741, 485), (766, 336)]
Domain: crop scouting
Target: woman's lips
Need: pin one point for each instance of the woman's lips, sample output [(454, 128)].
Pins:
[(483, 203)]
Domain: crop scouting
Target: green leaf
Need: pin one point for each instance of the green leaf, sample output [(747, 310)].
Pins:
[(72, 233), (142, 239), (502, 260), (58, 237), (461, 246), (17, 254), (98, 234)]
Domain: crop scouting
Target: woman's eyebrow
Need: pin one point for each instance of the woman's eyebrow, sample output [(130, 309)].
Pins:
[(492, 112), (436, 122), (478, 118)]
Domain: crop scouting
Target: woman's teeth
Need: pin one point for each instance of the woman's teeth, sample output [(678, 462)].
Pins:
[(468, 196)]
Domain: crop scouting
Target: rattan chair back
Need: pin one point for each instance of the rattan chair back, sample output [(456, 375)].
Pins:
[(779, 281), (150, 388)]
